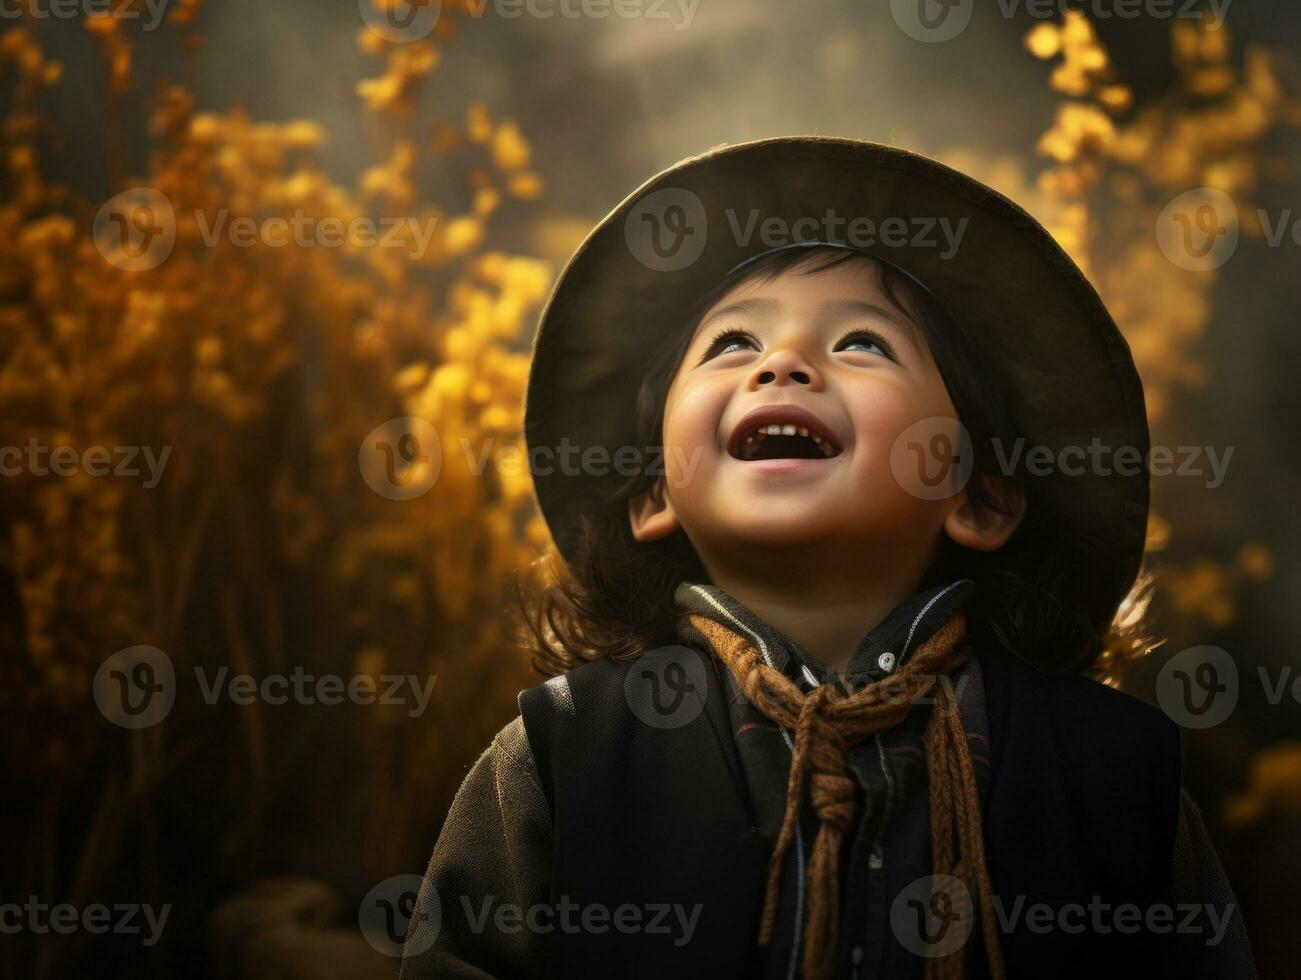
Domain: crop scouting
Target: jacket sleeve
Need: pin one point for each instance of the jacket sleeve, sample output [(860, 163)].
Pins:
[(1212, 942), (491, 864)]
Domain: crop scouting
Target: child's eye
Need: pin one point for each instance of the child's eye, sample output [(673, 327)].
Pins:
[(867, 340), (728, 342)]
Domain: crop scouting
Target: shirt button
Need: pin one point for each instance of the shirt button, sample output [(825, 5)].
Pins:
[(886, 661)]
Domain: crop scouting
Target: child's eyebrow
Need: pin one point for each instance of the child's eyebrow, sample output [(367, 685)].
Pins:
[(756, 304), (840, 309)]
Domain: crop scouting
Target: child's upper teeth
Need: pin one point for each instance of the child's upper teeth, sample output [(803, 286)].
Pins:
[(786, 429)]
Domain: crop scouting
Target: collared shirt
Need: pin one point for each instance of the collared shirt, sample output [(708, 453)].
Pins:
[(888, 846)]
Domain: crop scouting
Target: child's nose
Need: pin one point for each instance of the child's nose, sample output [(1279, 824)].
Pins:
[(785, 366)]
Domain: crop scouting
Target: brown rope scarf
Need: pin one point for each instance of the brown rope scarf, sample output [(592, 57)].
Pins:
[(826, 725)]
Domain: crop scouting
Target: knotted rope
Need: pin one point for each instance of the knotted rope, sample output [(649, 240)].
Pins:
[(826, 724)]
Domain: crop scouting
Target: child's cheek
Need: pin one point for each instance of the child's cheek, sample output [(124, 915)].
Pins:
[(691, 421), (880, 414)]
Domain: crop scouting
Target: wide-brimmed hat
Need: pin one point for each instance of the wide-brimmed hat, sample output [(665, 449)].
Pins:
[(628, 287)]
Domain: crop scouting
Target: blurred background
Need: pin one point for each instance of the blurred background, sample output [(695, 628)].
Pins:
[(199, 417)]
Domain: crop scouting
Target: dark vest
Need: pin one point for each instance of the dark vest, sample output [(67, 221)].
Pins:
[(1083, 808)]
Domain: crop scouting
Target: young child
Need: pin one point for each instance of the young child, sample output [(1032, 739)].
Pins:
[(819, 707)]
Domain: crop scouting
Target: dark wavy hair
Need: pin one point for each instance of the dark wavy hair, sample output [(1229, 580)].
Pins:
[(1031, 597)]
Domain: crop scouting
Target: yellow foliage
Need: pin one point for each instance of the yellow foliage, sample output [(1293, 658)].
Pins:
[(262, 368), (1273, 787)]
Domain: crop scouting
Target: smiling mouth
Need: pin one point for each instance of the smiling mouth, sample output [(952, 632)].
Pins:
[(784, 441)]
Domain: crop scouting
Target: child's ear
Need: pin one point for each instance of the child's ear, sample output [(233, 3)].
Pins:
[(986, 529), (652, 516)]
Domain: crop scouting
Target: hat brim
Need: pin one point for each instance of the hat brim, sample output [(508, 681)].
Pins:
[(1009, 283)]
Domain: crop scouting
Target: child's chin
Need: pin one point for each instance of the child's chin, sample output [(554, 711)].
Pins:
[(787, 529)]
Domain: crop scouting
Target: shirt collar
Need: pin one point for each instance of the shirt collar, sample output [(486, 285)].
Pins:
[(879, 653)]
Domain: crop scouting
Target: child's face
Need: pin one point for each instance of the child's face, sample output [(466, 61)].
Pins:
[(830, 344)]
